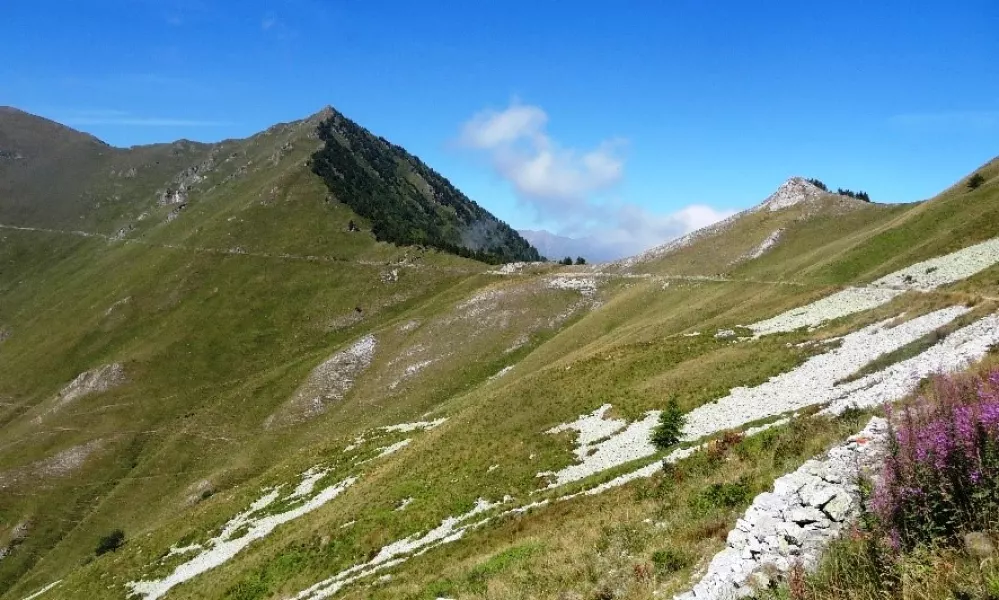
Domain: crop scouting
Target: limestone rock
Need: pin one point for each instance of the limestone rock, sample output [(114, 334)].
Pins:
[(803, 516), (839, 507)]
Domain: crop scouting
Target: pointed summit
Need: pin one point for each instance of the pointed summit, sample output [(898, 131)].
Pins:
[(795, 190)]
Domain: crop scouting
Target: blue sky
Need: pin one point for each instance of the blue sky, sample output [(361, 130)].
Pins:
[(636, 121)]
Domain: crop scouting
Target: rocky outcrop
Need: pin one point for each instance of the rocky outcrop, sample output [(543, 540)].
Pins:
[(806, 510), (765, 245), (329, 382), (94, 381), (794, 191), (61, 464)]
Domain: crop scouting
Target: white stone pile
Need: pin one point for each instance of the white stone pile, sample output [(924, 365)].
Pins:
[(585, 284), (794, 523)]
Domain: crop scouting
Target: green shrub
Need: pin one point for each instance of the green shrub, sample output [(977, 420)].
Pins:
[(975, 181), (110, 542), (721, 495), (670, 560)]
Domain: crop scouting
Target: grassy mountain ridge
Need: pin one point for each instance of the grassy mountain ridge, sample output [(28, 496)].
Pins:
[(223, 313)]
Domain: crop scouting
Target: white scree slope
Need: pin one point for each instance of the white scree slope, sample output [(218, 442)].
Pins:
[(604, 444), (922, 277), (453, 529), (241, 531)]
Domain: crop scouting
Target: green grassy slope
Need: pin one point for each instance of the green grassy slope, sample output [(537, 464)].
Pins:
[(219, 314)]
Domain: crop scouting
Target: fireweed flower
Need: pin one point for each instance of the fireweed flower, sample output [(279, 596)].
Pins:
[(942, 467)]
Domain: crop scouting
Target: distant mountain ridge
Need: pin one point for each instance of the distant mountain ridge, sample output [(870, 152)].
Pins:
[(406, 201), (53, 176)]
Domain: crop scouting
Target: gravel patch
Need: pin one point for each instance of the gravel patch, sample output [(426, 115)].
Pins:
[(409, 326), (603, 444), (114, 306), (585, 284), (309, 480), (942, 270), (240, 532), (510, 268), (956, 352), (501, 372), (391, 449), (482, 302), (814, 381), (806, 510), (61, 464), (178, 550)]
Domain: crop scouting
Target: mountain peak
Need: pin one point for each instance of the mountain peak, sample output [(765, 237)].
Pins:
[(795, 190)]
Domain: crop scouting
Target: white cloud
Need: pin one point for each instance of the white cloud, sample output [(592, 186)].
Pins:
[(632, 229), (490, 129), (566, 186), (522, 152)]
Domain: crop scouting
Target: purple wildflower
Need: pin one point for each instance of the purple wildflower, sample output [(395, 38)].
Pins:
[(940, 462)]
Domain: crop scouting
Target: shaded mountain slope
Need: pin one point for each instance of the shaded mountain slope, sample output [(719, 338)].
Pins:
[(406, 201)]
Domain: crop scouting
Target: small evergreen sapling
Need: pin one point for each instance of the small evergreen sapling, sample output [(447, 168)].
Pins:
[(671, 422)]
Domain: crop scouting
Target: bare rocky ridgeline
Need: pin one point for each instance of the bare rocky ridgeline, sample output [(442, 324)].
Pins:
[(795, 190)]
